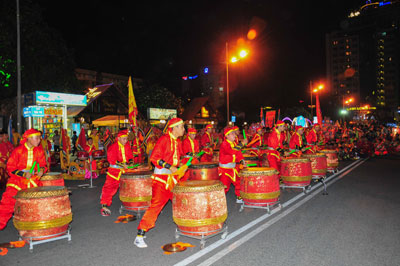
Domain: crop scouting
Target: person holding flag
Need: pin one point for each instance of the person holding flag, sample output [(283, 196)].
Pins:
[(119, 155), (207, 144), (25, 166), (166, 157)]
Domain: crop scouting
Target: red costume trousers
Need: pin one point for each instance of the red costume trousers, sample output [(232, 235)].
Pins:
[(229, 176), (110, 187), (274, 160), (8, 201), (159, 198)]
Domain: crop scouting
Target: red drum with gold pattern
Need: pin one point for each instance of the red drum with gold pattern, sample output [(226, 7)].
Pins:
[(135, 190), (83, 155), (199, 207), (296, 171), (259, 186), (52, 179), (318, 164), (42, 211), (331, 159), (203, 171), (98, 154)]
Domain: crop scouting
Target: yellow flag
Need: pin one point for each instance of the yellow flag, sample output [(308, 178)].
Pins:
[(133, 111)]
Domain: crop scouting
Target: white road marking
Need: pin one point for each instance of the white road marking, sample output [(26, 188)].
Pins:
[(306, 197)]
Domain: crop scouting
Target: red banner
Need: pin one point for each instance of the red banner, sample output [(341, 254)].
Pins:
[(270, 119)]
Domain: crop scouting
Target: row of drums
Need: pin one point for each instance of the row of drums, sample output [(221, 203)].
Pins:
[(199, 204), (43, 212)]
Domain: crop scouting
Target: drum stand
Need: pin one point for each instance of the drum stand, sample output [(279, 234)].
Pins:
[(202, 236), (33, 239), (321, 178), (305, 188), (259, 205), (333, 171), (136, 210)]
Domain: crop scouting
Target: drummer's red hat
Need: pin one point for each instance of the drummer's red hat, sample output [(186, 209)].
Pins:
[(208, 126), (174, 122), (192, 130), (228, 130), (123, 133), (279, 123), (29, 133)]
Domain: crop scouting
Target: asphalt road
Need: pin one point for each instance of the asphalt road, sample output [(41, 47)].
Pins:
[(356, 224)]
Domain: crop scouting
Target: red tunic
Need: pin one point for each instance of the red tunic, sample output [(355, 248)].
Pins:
[(207, 146), (4, 154), (167, 149), (296, 141), (256, 142), (275, 144), (229, 154)]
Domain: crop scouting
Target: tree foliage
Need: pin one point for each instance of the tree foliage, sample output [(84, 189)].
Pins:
[(46, 62)]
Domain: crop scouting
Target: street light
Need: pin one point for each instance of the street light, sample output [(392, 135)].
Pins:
[(242, 54), (314, 90)]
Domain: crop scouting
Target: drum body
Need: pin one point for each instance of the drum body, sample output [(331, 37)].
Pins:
[(318, 164), (259, 186), (331, 159), (42, 211), (135, 190), (203, 171), (296, 171), (199, 207), (98, 154), (83, 155), (52, 179)]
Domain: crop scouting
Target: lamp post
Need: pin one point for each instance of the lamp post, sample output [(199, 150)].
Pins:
[(19, 120)]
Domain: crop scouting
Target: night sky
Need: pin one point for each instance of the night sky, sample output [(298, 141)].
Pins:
[(164, 40)]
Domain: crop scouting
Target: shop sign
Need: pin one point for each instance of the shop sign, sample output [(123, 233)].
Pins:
[(44, 97), (53, 111), (27, 112), (161, 114), (37, 111)]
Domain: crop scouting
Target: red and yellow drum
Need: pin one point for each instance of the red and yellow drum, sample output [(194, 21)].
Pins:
[(199, 207), (98, 154), (52, 179), (259, 186), (296, 171), (331, 159), (203, 171), (42, 211), (83, 155), (135, 190), (318, 164)]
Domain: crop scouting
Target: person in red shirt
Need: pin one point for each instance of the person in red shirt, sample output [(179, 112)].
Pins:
[(19, 165), (4, 154), (136, 146), (165, 157), (207, 144), (313, 137), (190, 146), (9, 145), (257, 140), (229, 155), (275, 145), (296, 141), (119, 155), (90, 148)]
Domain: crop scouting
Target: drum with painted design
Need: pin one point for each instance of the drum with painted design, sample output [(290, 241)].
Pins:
[(296, 171), (42, 212), (203, 171), (259, 186), (199, 207), (318, 164), (52, 179), (135, 190), (331, 159)]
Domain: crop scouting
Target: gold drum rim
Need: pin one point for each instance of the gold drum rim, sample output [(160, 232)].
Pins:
[(200, 222), (51, 176), (315, 155), (197, 186), (42, 192), (256, 171), (139, 174), (296, 160)]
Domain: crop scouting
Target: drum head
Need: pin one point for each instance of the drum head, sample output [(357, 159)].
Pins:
[(204, 165)]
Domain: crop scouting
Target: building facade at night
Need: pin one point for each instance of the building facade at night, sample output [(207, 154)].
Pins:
[(363, 57)]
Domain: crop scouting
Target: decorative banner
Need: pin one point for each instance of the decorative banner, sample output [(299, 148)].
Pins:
[(161, 114), (60, 98), (270, 118)]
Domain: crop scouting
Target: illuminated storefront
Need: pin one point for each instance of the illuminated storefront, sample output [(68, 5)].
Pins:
[(48, 111)]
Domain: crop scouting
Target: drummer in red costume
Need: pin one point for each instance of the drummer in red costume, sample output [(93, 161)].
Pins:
[(257, 140), (296, 141), (313, 137), (207, 144), (119, 155), (229, 155), (18, 167), (190, 146), (165, 157), (137, 146), (275, 145)]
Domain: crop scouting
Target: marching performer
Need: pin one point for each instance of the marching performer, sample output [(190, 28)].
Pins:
[(119, 155), (190, 146), (313, 137), (19, 165), (90, 148), (207, 144), (229, 155), (275, 145), (165, 157), (136, 146)]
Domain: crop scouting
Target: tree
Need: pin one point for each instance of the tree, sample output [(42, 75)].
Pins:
[(47, 63)]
